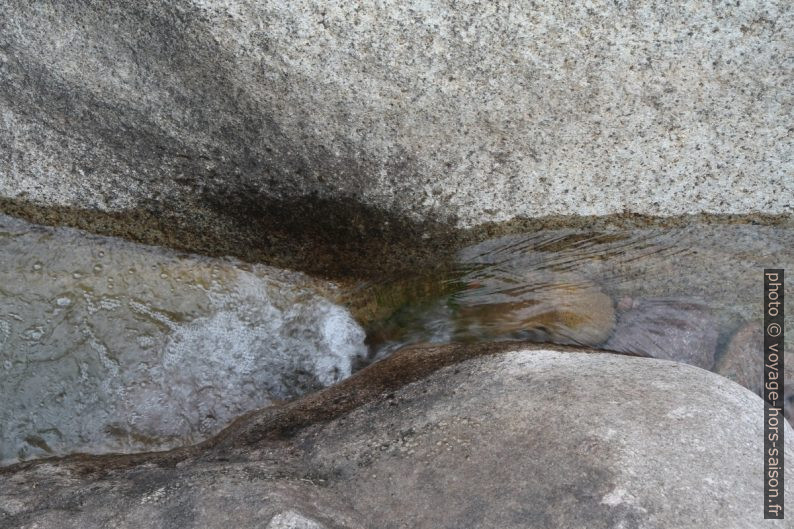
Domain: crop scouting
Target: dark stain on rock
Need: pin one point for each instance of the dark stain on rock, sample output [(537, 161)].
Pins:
[(220, 178), (335, 238), (341, 238)]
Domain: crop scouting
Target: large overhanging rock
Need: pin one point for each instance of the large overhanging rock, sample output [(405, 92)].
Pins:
[(219, 124), (509, 436)]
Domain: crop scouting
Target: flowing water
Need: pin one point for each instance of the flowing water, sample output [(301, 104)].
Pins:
[(691, 294), (107, 345)]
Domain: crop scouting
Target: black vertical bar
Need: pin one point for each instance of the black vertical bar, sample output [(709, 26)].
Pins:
[(773, 394)]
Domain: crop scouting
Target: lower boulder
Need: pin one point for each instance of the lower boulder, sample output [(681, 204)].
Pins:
[(492, 435)]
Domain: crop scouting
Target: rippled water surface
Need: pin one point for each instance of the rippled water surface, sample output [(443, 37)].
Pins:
[(107, 345), (690, 294)]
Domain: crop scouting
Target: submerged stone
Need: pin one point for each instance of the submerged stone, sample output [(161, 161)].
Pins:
[(743, 358), (674, 329), (107, 345), (561, 308), (507, 287)]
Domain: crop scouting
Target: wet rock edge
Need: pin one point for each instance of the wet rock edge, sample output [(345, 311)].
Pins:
[(277, 424)]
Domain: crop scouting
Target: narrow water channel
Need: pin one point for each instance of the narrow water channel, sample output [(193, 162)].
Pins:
[(112, 346)]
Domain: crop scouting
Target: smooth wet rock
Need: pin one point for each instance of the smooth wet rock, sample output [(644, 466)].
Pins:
[(201, 122), (516, 436), (674, 329), (107, 345)]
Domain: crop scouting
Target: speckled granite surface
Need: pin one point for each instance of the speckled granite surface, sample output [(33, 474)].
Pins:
[(458, 112)]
